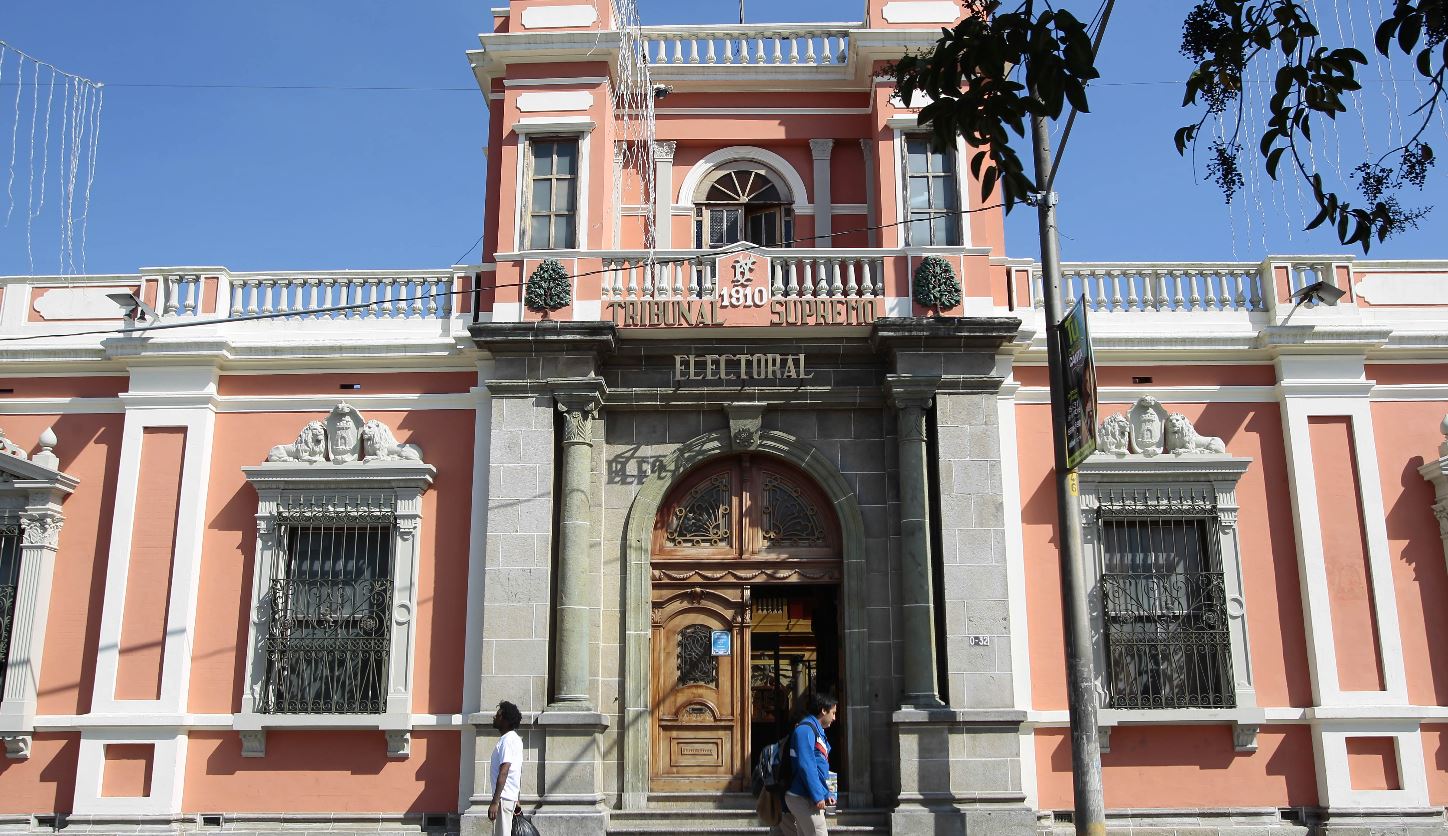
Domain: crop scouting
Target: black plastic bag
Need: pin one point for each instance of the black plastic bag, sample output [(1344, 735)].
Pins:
[(523, 825)]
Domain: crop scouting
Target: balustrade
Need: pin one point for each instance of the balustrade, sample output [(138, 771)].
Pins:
[(358, 296), (1159, 287), (785, 46), (805, 274)]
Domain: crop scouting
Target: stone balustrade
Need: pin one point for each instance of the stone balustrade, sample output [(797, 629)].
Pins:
[(744, 45)]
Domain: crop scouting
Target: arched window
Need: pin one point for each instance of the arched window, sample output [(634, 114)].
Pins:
[(743, 202)]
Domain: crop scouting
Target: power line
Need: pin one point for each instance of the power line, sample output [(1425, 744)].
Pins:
[(748, 247)]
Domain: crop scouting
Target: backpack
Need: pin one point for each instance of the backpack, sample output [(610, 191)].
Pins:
[(775, 768)]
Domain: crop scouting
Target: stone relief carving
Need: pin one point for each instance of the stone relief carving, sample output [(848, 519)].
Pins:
[(345, 437), (10, 448), (42, 529), (1147, 429)]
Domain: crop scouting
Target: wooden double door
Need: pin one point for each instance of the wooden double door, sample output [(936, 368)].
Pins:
[(731, 533)]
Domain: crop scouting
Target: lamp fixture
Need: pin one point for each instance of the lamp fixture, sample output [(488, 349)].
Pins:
[(1319, 292), (134, 309)]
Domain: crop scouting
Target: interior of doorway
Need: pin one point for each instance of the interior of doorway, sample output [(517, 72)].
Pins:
[(794, 650)]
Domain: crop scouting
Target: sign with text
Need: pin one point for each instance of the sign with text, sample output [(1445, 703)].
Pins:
[(737, 290), (719, 643), (741, 367), (1078, 373)]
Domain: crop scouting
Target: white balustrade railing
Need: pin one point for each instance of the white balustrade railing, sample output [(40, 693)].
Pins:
[(180, 294), (661, 275), (1159, 287), (826, 274), (747, 45), (793, 273), (363, 295)]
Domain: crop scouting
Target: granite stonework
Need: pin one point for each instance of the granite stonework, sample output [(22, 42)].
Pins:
[(939, 751)]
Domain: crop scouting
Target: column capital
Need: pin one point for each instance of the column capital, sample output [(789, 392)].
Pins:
[(579, 394), (911, 391), (664, 150), (821, 149)]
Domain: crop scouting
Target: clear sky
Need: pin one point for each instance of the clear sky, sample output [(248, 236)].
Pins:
[(235, 134)]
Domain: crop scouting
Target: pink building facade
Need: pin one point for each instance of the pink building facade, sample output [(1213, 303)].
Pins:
[(269, 559)]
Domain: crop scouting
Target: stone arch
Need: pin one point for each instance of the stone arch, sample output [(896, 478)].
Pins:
[(779, 165), (638, 542)]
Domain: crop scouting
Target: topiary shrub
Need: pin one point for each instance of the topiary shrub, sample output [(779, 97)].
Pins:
[(935, 285), (548, 288)]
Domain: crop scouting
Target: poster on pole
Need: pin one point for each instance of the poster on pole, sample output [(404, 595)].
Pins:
[(1078, 373)]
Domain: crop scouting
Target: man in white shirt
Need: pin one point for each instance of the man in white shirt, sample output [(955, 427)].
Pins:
[(506, 768)]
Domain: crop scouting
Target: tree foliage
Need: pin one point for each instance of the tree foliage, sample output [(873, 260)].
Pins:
[(970, 75), (935, 285), (548, 288)]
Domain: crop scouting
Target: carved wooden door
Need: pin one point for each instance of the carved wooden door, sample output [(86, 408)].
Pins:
[(702, 698), (727, 527)]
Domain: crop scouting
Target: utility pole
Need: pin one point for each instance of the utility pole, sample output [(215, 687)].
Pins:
[(1090, 809)]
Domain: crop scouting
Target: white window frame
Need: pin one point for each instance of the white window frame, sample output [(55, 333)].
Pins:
[(555, 127), (903, 178), (378, 476), (1153, 469), (31, 492)]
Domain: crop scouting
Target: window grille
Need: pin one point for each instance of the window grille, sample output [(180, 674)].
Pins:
[(931, 193), (553, 194), (1163, 597), (327, 639), (9, 582)]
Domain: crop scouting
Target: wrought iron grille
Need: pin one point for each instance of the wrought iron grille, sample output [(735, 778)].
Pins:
[(702, 519), (697, 665), (1164, 601), (789, 519), (328, 634), (9, 581)]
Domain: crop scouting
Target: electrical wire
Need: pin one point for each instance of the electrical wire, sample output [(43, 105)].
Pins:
[(747, 247)]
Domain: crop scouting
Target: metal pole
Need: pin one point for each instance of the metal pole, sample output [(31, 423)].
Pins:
[(1090, 812)]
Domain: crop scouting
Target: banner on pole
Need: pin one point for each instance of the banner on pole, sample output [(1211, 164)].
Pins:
[(1078, 373)]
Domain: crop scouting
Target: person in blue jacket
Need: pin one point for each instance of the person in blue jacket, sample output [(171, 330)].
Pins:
[(809, 792)]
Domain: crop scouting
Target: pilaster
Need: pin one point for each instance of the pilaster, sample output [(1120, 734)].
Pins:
[(663, 194), (911, 397), (821, 150), (578, 401)]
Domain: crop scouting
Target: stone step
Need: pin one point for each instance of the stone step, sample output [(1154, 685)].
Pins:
[(683, 820)]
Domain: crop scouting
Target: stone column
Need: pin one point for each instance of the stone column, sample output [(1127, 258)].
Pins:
[(872, 199), (664, 194), (821, 149), (911, 397), (579, 402)]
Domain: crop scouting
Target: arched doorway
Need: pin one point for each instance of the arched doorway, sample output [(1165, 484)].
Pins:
[(743, 201), (745, 568)]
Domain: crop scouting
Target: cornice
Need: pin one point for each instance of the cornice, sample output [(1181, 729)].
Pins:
[(1104, 467), (325, 475), (1322, 339)]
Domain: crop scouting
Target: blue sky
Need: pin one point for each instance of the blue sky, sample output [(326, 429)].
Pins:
[(252, 177)]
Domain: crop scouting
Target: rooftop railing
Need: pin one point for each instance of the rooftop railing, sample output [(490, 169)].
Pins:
[(744, 45)]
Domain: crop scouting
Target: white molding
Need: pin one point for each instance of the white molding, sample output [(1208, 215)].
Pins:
[(60, 406), (1409, 392), (559, 17), (903, 122), (1185, 465), (752, 153), (1398, 288), (316, 402), (201, 722), (199, 424), (554, 124), (555, 100), (33, 492), (849, 208), (471, 700), (1178, 394), (1335, 790), (761, 111), (342, 460), (1016, 584), (168, 766), (920, 11), (587, 310), (1316, 592), (552, 82)]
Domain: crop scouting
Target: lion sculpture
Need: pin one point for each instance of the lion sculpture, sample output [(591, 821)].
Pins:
[(379, 443), (310, 446), (1114, 436), (1182, 437)]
